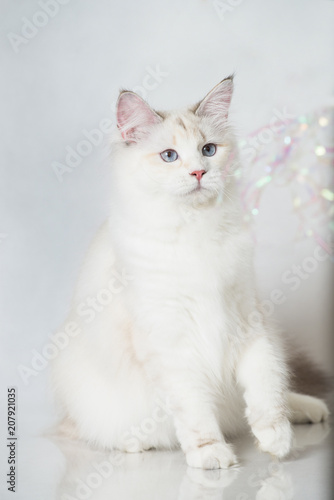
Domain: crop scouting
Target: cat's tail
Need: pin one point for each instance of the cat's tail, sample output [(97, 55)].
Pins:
[(307, 377)]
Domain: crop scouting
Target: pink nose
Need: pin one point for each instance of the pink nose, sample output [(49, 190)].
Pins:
[(199, 174)]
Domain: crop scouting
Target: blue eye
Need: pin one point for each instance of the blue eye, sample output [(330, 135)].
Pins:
[(209, 150), (169, 155)]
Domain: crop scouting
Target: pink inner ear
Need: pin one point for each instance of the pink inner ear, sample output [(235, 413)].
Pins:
[(134, 116)]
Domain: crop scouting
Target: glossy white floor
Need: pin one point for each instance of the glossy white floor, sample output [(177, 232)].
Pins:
[(64, 470)]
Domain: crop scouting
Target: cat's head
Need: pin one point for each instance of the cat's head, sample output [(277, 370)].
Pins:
[(184, 154)]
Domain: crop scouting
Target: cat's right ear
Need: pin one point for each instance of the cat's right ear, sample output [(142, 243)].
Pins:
[(134, 116)]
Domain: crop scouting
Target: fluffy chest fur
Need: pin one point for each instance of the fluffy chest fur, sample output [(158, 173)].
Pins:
[(185, 273)]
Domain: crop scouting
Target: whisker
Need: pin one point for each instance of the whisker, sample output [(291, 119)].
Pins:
[(227, 196)]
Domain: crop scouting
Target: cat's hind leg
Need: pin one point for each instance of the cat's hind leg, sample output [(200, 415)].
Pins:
[(305, 409)]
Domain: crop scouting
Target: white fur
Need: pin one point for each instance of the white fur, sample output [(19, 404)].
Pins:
[(307, 409), (172, 359)]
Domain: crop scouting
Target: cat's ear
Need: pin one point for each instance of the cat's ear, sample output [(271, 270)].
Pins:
[(134, 116), (216, 104)]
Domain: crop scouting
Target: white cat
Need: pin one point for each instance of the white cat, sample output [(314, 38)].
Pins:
[(171, 347)]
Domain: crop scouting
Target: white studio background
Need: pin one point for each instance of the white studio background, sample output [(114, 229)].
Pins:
[(65, 78)]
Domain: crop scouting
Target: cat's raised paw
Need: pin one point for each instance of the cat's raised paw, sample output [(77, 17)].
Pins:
[(212, 456), (275, 439)]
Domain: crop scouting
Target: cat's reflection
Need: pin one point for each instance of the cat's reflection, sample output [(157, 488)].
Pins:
[(97, 475), (200, 484)]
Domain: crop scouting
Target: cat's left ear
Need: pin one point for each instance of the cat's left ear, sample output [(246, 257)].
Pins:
[(216, 104), (134, 116)]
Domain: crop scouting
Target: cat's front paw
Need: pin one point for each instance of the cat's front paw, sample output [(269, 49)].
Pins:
[(212, 456), (275, 439)]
